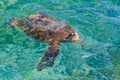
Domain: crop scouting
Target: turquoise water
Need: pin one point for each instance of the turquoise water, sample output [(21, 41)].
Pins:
[(97, 21)]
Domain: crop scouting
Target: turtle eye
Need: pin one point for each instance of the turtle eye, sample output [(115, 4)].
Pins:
[(70, 36)]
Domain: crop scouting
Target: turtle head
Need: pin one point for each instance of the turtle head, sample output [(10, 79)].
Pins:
[(73, 36)]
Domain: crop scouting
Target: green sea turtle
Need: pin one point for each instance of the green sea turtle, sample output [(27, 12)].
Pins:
[(42, 27)]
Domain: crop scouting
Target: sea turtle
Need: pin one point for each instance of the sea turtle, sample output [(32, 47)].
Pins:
[(42, 27)]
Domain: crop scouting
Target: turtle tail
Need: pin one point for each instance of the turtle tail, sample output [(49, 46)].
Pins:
[(49, 57)]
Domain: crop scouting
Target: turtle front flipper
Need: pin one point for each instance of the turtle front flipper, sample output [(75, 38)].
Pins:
[(49, 57)]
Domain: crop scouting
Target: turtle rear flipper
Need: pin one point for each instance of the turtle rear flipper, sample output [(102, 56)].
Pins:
[(49, 57)]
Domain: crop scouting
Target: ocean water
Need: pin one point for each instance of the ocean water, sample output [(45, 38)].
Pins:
[(96, 21)]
